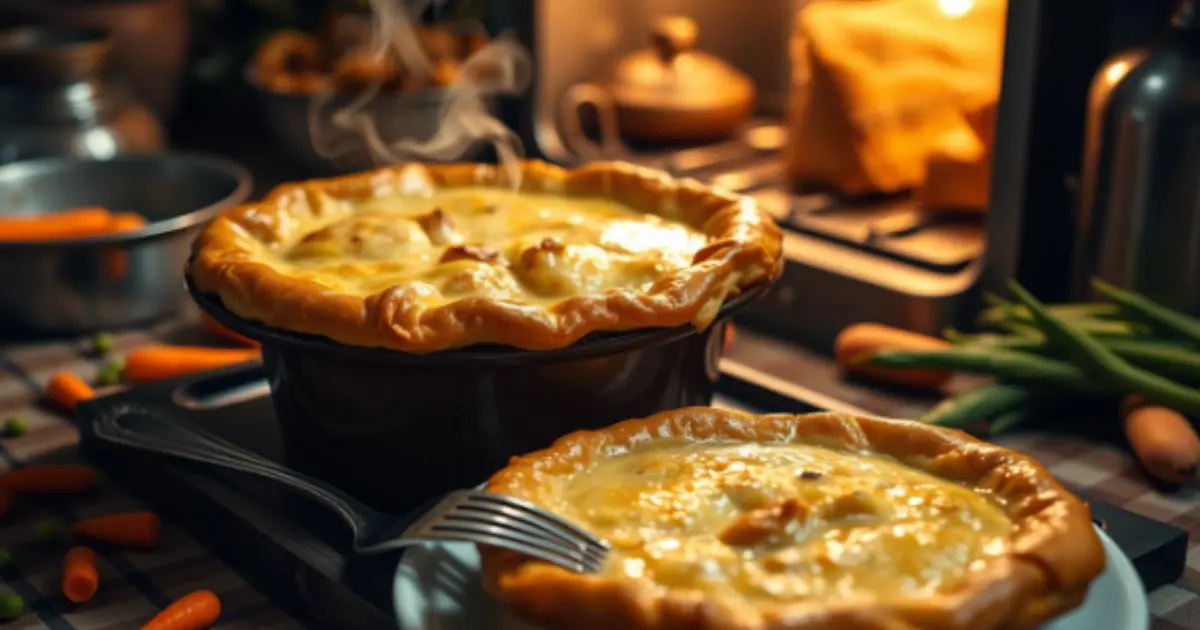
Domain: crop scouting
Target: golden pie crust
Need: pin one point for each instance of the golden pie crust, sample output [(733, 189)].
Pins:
[(1043, 569), (531, 293)]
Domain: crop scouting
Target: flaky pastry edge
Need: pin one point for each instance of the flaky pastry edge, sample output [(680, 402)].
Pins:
[(744, 249), (1056, 553)]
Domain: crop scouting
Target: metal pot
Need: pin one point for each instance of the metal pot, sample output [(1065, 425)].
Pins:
[(289, 118), (56, 99), (667, 93), (77, 285)]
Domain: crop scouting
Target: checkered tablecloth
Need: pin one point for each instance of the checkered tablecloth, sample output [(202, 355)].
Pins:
[(134, 585)]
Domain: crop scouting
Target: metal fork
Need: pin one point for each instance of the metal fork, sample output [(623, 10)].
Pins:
[(472, 516)]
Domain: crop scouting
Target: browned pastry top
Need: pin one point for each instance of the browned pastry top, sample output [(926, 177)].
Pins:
[(720, 519), (426, 258)]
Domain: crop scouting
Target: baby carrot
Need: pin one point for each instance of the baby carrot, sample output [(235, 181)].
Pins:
[(80, 578), (134, 530), (61, 479), (194, 611), (156, 363), (68, 390), (215, 327), (72, 223)]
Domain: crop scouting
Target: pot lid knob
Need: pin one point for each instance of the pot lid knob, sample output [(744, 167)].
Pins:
[(673, 35)]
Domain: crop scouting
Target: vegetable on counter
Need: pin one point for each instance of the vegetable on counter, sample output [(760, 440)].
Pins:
[(57, 479), (156, 363), (1128, 347), (131, 530), (68, 390), (1164, 440), (80, 579), (194, 611), (858, 343)]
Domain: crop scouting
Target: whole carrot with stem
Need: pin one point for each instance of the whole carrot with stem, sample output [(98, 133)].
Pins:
[(156, 363), (58, 479), (132, 530), (67, 390), (80, 579), (194, 611)]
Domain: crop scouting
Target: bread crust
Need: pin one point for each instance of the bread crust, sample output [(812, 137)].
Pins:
[(744, 249), (1055, 551)]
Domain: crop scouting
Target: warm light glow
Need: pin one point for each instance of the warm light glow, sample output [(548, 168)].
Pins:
[(955, 8)]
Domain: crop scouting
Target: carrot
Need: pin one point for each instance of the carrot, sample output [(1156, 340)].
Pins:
[(115, 261), (859, 341), (126, 222), (133, 530), (156, 363), (72, 223), (61, 479), (80, 578), (68, 390), (6, 502), (730, 335), (194, 611), (215, 327), (1163, 440)]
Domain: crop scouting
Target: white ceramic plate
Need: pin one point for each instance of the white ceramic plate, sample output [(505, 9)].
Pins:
[(437, 588)]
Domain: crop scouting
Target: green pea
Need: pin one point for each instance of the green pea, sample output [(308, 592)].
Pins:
[(11, 607), (15, 426), (102, 344), (110, 373), (47, 532), (5, 557)]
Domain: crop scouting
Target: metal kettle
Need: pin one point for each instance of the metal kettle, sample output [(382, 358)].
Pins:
[(1139, 216), (56, 98)]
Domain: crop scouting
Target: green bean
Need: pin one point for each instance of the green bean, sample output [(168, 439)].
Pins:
[(1010, 420), (1151, 312), (1106, 366), (980, 403), (1161, 357), (991, 361)]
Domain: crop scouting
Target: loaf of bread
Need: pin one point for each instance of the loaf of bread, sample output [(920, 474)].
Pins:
[(881, 86)]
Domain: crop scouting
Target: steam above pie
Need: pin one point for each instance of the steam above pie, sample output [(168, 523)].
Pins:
[(425, 258)]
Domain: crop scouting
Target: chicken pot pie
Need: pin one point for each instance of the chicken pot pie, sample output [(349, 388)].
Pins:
[(427, 258), (719, 519)]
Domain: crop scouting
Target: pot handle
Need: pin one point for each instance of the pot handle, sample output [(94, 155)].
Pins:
[(587, 94)]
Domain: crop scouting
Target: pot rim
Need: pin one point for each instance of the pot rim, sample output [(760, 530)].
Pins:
[(591, 346)]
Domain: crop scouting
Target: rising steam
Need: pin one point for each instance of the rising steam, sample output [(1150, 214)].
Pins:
[(338, 127)]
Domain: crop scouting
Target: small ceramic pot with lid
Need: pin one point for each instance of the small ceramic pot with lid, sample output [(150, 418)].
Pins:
[(668, 93)]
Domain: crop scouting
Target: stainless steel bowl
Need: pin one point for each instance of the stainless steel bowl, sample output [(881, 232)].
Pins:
[(397, 115), (78, 285)]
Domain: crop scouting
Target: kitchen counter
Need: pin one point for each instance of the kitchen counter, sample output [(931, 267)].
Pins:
[(136, 584)]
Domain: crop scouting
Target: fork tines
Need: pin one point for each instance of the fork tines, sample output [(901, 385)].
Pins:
[(504, 521)]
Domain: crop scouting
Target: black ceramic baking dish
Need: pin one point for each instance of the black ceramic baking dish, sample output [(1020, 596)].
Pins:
[(395, 428)]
